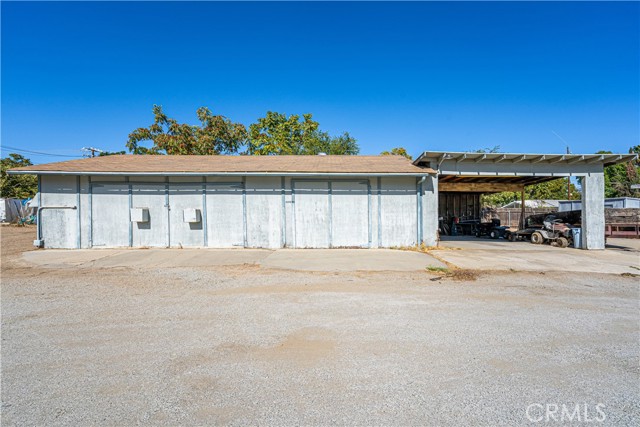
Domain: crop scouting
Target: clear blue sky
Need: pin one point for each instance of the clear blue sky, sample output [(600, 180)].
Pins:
[(426, 76)]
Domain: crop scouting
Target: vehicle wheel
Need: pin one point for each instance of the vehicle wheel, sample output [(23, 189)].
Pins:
[(537, 238), (563, 242), (477, 234), (512, 237), (493, 234)]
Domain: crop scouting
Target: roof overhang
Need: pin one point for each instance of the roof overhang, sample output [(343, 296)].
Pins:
[(227, 165), (524, 158), (518, 164), (427, 171), (495, 172)]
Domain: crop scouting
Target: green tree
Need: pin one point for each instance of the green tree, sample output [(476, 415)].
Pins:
[(398, 151), (16, 186), (494, 149), (215, 135), (551, 190), (619, 178), (277, 134), (496, 200), (111, 153)]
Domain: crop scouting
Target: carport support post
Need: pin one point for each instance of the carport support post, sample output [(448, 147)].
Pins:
[(522, 209), (593, 211)]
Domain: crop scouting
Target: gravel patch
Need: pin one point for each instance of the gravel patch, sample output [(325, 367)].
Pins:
[(248, 345)]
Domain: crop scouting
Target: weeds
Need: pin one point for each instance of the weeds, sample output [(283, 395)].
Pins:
[(457, 274)]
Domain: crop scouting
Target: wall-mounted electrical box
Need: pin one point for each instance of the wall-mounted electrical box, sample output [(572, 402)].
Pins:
[(139, 215), (192, 215)]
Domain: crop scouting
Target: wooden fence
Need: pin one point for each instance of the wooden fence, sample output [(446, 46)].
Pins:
[(511, 216), (618, 222)]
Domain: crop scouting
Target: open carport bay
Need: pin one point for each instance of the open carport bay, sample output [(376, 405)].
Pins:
[(467, 252)]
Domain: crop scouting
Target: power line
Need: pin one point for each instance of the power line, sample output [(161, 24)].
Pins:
[(6, 147), (92, 150)]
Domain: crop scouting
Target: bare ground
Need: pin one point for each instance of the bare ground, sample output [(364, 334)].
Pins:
[(249, 345)]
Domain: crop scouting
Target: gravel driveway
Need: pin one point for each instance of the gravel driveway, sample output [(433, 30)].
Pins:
[(249, 345)]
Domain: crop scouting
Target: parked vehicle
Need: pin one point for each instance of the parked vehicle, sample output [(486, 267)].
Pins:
[(555, 228), (554, 231), (492, 229)]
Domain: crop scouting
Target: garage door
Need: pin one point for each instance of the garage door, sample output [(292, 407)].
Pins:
[(110, 215), (331, 214), (225, 226)]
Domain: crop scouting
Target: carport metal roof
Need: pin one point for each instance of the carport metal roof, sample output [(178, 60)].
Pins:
[(493, 172), (493, 158)]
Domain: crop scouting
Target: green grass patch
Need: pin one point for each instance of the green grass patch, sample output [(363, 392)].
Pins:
[(438, 269)]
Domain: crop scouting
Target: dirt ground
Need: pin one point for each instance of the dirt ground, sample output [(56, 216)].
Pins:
[(239, 345)]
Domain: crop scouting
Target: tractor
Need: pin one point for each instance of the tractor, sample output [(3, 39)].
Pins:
[(555, 231)]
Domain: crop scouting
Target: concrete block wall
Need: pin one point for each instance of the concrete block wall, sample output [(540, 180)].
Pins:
[(62, 224), (252, 211), (593, 211)]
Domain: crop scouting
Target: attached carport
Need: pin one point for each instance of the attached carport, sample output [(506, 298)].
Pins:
[(476, 173)]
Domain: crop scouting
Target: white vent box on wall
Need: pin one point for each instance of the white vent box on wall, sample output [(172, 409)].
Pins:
[(139, 215), (192, 215)]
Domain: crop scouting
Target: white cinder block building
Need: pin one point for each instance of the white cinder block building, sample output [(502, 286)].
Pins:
[(290, 201), (235, 201)]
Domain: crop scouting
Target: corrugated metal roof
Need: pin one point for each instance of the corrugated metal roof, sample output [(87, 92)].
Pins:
[(605, 159), (238, 165)]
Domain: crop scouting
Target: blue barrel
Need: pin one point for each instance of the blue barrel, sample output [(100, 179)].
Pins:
[(577, 238)]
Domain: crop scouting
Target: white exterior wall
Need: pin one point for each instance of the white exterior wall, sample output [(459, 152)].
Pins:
[(225, 212), (62, 223), (398, 212), (430, 211), (265, 212), (186, 193)]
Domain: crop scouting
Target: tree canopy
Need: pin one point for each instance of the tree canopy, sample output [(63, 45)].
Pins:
[(278, 134), (270, 135), (16, 186), (398, 151), (549, 190), (619, 178), (215, 135)]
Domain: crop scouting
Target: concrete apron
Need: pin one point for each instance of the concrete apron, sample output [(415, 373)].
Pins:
[(501, 258), (288, 259), (621, 256)]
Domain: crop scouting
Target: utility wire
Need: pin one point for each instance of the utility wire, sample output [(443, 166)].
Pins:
[(8, 148)]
